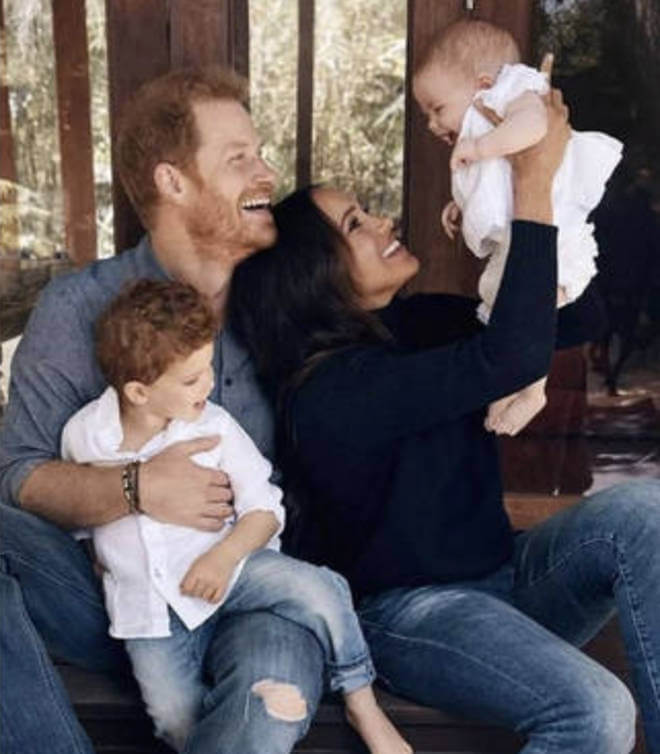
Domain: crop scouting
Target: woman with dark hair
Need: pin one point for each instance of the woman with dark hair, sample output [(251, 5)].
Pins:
[(381, 403)]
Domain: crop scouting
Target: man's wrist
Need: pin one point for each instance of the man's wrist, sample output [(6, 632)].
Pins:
[(130, 486)]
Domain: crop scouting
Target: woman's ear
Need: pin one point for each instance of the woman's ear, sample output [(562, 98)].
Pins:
[(136, 393), (170, 181)]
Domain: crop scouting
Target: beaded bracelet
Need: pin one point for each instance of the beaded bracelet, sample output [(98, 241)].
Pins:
[(129, 486)]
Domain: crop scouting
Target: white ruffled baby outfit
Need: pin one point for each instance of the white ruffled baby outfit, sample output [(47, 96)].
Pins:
[(483, 191)]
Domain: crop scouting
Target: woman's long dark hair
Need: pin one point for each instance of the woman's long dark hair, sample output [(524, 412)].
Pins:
[(293, 303)]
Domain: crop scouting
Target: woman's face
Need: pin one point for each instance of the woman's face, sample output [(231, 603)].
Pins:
[(378, 264)]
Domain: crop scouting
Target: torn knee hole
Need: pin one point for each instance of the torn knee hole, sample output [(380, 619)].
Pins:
[(282, 701)]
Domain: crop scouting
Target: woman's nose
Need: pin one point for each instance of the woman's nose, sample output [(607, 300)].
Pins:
[(385, 224)]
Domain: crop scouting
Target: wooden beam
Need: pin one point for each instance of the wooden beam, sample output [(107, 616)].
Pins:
[(305, 92), (137, 51), (7, 161), (217, 32), (75, 129)]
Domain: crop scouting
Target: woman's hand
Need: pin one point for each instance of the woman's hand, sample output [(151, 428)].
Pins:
[(534, 168)]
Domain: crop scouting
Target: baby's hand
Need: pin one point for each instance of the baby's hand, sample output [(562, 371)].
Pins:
[(465, 153), (451, 219), (209, 575)]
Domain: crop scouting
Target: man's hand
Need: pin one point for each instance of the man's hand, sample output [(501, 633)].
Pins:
[(209, 576), (465, 153), (176, 490), (451, 219)]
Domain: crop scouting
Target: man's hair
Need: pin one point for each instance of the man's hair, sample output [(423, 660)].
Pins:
[(158, 125), (472, 46), (147, 327)]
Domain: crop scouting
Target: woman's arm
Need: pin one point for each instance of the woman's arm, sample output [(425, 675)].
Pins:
[(383, 394)]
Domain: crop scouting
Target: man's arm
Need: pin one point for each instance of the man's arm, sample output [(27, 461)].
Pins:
[(171, 488), (54, 373)]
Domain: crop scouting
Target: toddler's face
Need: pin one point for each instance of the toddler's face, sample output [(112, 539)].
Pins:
[(181, 391), (443, 94)]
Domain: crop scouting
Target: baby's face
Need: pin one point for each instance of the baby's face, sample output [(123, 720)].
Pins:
[(443, 94)]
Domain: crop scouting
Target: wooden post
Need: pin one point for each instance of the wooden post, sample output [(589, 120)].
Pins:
[(305, 92), (447, 266), (73, 100), (9, 241), (147, 39)]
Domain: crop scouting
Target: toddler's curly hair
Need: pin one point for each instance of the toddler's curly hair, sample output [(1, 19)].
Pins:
[(147, 327)]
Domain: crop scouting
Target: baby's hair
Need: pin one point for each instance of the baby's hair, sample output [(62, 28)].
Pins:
[(472, 46), (147, 327)]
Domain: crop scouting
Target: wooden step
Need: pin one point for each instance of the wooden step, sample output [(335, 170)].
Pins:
[(111, 711)]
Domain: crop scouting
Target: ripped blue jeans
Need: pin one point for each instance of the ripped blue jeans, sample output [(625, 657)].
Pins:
[(169, 669)]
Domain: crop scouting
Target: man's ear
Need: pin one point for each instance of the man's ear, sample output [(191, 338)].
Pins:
[(484, 81), (170, 181), (136, 393)]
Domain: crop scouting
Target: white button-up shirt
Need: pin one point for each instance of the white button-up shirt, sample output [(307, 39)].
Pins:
[(145, 560)]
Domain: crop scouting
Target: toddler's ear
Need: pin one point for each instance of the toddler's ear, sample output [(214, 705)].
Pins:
[(484, 81), (136, 392)]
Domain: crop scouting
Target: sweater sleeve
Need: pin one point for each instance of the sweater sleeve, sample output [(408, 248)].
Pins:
[(370, 396)]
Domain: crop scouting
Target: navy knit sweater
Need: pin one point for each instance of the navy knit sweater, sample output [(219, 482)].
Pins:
[(402, 478)]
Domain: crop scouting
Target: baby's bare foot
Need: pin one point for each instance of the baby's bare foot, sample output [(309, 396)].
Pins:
[(496, 410), (519, 412), (370, 722)]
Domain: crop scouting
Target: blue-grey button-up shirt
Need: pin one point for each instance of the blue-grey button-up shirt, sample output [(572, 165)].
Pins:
[(54, 370)]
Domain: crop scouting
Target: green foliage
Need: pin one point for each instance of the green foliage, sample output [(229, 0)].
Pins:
[(358, 93)]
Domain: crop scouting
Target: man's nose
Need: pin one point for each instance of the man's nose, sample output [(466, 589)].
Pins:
[(265, 171)]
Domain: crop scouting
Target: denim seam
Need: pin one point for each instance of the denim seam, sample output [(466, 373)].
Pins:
[(453, 650), (48, 576), (567, 556), (551, 736), (637, 621), (64, 713)]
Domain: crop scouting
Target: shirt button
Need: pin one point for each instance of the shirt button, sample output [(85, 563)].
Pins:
[(228, 381), (158, 574)]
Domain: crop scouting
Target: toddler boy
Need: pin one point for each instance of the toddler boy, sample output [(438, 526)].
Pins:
[(164, 583)]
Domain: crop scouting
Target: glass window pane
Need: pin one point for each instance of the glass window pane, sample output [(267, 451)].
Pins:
[(359, 94), (273, 79)]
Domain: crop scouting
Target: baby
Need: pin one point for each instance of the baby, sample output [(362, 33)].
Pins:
[(472, 64), (164, 583)]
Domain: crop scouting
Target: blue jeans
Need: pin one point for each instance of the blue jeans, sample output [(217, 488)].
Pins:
[(169, 669), (52, 603), (503, 649)]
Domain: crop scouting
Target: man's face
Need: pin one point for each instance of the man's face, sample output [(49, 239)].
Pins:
[(229, 208)]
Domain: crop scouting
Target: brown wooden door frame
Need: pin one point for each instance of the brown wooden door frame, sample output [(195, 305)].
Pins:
[(446, 266)]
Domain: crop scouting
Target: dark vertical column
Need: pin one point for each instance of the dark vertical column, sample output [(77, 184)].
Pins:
[(75, 130), (7, 162), (447, 265), (305, 93), (138, 50), (9, 240)]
